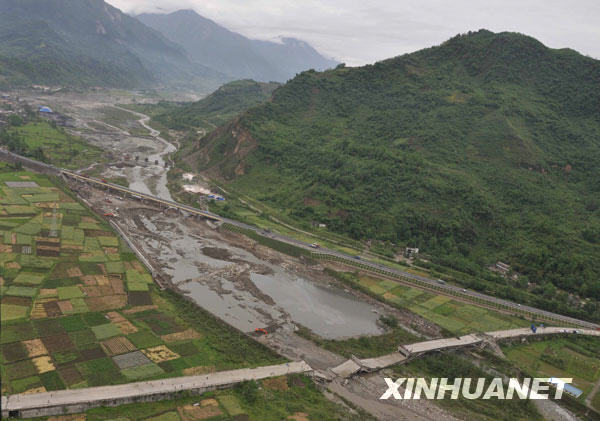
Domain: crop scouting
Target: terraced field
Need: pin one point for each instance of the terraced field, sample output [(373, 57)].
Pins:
[(454, 316), (79, 310), (58, 146), (577, 358)]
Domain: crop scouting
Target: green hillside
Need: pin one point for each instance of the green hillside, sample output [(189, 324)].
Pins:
[(481, 149), (217, 108), (31, 52)]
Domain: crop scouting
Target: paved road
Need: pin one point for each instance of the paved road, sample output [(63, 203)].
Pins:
[(105, 394), (430, 283)]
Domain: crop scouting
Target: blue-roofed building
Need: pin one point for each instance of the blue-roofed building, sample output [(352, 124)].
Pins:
[(46, 110), (568, 388), (573, 391)]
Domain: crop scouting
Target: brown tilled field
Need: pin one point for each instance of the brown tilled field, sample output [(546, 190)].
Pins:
[(52, 309), (276, 383), (17, 301), (139, 298), (92, 354), (97, 290), (56, 343), (198, 370), (139, 309), (70, 374), (48, 253), (65, 306), (108, 302), (126, 327), (208, 408), (74, 272), (190, 333), (116, 284), (118, 345), (115, 317), (14, 352)]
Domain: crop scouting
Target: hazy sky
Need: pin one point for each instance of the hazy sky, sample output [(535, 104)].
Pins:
[(364, 31)]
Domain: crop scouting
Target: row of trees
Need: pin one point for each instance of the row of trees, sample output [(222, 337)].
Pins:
[(15, 143)]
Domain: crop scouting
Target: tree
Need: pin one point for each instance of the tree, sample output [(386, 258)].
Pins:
[(15, 120), (549, 290), (248, 390)]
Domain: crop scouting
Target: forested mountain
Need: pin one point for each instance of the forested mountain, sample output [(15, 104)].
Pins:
[(484, 148), (233, 54), (89, 42), (216, 109)]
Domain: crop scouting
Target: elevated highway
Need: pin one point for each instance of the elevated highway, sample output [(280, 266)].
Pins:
[(79, 400), (407, 352)]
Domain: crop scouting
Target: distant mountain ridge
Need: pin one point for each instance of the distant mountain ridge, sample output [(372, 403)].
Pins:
[(214, 46), (89, 42)]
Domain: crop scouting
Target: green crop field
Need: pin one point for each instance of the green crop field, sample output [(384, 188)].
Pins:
[(577, 358), (142, 372), (76, 296), (11, 312), (456, 317), (28, 278), (16, 291), (54, 145)]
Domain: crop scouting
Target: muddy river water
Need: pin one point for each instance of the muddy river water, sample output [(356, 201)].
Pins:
[(139, 176), (245, 291), (248, 292)]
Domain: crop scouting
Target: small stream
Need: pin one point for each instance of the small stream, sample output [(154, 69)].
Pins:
[(139, 177)]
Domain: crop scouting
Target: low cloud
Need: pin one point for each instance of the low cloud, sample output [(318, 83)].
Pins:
[(360, 32)]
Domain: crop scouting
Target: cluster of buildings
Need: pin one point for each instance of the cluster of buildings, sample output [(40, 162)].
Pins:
[(9, 105)]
